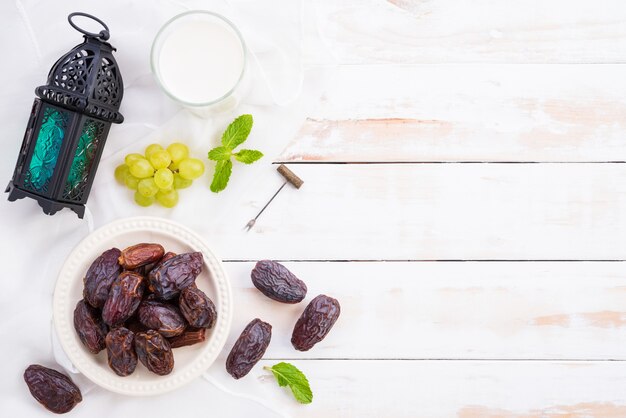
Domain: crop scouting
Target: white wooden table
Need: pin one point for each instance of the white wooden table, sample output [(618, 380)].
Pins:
[(464, 199)]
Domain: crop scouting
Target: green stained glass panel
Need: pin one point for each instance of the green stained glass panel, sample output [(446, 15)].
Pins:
[(46, 151), (86, 149)]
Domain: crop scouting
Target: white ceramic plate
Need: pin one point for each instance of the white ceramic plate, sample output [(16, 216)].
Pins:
[(189, 362)]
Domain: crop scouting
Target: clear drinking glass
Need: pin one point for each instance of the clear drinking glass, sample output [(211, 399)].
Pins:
[(200, 60)]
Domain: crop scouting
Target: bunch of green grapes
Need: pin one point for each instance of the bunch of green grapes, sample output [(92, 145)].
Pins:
[(159, 173)]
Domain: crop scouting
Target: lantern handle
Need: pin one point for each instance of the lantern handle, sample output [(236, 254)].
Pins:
[(104, 34)]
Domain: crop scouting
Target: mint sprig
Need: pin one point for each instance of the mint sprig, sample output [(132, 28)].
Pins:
[(289, 375), (235, 135)]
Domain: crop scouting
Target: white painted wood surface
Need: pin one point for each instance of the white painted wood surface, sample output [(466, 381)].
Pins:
[(452, 310), (447, 83), (465, 389), (466, 112), (435, 212), (488, 31), (419, 88)]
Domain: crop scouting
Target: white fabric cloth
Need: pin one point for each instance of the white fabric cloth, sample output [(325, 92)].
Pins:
[(33, 34)]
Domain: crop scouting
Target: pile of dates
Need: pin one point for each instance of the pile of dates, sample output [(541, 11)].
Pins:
[(142, 302), (139, 304), (278, 283)]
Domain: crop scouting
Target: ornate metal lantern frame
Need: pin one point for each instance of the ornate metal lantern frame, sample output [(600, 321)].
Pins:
[(69, 124)]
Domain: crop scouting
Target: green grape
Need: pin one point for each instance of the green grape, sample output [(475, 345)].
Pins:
[(152, 148), (181, 183), (167, 189), (142, 200), (164, 178), (160, 159), (120, 173), (131, 181), (131, 158), (190, 168), (178, 151), (147, 187), (173, 166), (168, 198), (142, 169)]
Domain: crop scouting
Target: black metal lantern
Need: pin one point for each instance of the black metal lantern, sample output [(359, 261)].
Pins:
[(69, 124)]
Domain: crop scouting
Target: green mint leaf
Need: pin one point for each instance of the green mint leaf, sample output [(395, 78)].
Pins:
[(288, 375), (219, 154), (237, 131), (221, 175), (248, 156)]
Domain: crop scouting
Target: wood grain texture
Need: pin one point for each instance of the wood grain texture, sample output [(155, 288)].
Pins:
[(567, 113), (461, 389), (450, 310), (436, 31), (432, 212)]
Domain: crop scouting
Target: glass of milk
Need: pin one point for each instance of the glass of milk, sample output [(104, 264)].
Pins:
[(199, 59)]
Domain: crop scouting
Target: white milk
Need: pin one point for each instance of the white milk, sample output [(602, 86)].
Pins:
[(200, 60)]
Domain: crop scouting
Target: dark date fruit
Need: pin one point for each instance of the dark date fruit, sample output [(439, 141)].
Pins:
[(121, 351), (170, 277), (154, 352), (166, 257), (315, 322), (134, 325), (54, 390), (140, 255), (100, 276), (145, 270), (124, 298), (133, 306), (249, 348), (197, 308), (276, 282), (162, 317), (89, 327), (189, 337)]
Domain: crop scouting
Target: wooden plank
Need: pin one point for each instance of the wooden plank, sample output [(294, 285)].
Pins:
[(374, 389), (466, 113), (416, 31), (444, 389), (450, 310), (427, 212)]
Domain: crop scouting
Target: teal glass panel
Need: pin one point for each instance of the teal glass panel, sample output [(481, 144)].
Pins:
[(86, 149), (46, 150)]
